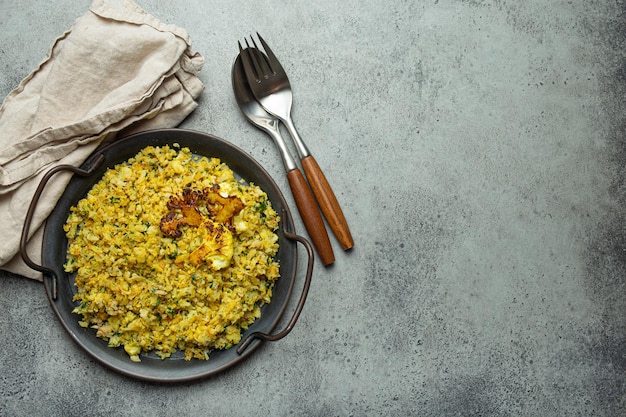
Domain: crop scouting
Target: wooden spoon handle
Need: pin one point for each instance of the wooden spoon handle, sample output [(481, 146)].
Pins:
[(327, 202), (311, 216)]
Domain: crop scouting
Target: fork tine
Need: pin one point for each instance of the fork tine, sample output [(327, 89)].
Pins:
[(274, 63), (255, 62), (248, 65), (261, 62)]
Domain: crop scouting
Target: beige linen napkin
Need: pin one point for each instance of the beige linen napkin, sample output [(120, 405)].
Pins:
[(117, 70)]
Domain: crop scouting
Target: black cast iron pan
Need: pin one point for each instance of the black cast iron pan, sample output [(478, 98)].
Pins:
[(60, 287)]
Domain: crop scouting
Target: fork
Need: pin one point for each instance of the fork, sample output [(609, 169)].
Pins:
[(270, 85)]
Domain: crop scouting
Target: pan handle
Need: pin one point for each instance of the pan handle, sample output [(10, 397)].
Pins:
[(299, 307), (50, 288)]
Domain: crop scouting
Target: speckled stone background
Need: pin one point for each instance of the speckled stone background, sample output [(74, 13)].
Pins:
[(478, 148)]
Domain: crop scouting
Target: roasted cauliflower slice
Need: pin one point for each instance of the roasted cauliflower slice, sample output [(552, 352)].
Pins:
[(222, 209), (182, 210), (215, 227), (217, 246)]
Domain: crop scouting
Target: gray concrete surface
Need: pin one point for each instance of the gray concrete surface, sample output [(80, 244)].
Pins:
[(478, 149)]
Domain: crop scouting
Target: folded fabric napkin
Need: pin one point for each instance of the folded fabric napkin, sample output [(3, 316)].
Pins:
[(118, 70)]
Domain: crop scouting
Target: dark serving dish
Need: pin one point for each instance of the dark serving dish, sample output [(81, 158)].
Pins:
[(60, 287)]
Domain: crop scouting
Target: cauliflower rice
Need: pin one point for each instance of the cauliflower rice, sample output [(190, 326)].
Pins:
[(146, 291)]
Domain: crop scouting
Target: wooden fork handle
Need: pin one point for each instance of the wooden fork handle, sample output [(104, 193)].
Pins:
[(327, 202), (311, 216)]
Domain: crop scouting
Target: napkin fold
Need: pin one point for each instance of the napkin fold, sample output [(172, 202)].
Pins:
[(117, 71)]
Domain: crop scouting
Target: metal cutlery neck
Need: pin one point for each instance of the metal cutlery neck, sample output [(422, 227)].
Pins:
[(301, 147), (272, 130)]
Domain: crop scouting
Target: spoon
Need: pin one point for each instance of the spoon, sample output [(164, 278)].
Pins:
[(305, 202)]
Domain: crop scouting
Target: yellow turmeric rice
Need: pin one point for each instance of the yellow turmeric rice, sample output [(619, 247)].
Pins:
[(157, 269)]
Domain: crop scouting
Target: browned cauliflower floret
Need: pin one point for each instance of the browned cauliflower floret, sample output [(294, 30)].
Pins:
[(170, 225), (216, 226), (217, 247), (183, 210), (222, 209)]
